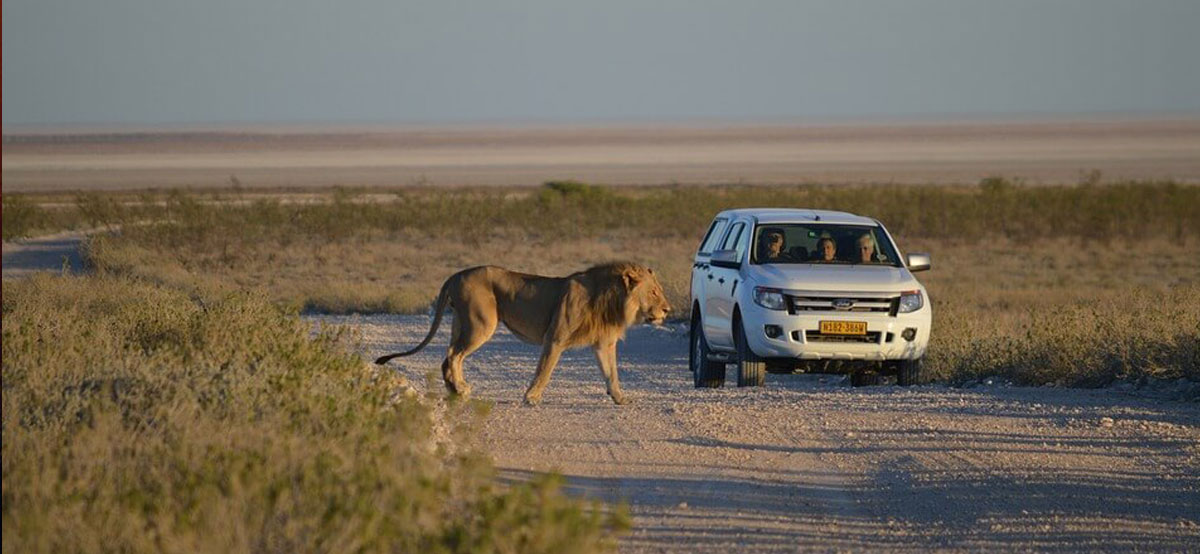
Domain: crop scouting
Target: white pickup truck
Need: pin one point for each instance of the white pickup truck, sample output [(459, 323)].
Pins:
[(787, 290)]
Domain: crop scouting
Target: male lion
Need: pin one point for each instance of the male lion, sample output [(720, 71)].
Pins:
[(589, 308)]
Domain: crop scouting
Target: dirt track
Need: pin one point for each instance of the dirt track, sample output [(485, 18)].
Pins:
[(49, 253), (807, 463)]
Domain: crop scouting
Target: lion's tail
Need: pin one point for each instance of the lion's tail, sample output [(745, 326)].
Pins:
[(439, 308)]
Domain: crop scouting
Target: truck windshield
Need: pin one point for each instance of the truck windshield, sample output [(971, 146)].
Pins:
[(822, 243)]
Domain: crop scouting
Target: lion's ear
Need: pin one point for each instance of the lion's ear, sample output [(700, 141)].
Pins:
[(631, 279)]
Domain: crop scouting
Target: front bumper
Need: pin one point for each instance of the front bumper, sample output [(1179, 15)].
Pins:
[(801, 339)]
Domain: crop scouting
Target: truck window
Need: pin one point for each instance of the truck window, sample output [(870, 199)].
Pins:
[(735, 233), (742, 243), (714, 234)]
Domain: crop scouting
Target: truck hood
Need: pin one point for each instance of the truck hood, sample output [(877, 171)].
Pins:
[(835, 277)]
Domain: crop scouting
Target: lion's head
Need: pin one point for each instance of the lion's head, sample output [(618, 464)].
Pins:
[(646, 302), (625, 293)]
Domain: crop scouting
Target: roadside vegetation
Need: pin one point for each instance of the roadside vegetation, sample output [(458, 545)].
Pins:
[(139, 419), (569, 209), (1070, 285)]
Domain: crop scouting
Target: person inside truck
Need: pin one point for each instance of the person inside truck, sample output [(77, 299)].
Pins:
[(826, 250), (771, 245), (865, 249)]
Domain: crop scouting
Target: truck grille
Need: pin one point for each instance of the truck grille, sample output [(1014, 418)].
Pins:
[(843, 304), (872, 337)]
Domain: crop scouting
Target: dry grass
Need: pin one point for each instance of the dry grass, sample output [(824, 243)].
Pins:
[(395, 274), (997, 207), (1064, 311), (1017, 267), (136, 419), (1054, 311)]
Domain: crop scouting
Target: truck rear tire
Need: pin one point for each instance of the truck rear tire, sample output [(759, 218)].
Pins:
[(752, 370), (706, 374)]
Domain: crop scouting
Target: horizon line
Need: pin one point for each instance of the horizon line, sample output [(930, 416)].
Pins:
[(867, 120)]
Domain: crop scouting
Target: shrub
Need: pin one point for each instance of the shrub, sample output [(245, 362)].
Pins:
[(1128, 335), (997, 208), (22, 217), (136, 419)]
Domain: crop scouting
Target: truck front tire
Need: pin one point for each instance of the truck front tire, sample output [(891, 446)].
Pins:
[(752, 369), (908, 372)]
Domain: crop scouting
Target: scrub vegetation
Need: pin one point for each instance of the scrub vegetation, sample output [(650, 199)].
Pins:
[(996, 207), (1073, 285), (139, 419)]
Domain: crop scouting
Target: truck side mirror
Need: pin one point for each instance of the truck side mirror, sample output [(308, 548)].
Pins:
[(725, 258), (918, 261)]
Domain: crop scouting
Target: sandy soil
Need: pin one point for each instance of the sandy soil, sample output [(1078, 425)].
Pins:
[(808, 463), (1045, 152)]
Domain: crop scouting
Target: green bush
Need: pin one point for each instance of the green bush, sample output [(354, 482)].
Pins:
[(136, 419), (997, 208), (1127, 335), (22, 217)]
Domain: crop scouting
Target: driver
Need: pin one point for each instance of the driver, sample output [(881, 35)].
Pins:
[(865, 247)]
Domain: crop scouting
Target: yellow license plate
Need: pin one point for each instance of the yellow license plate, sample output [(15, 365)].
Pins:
[(843, 327)]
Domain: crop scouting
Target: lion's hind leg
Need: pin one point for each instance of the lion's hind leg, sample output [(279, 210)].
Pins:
[(472, 328)]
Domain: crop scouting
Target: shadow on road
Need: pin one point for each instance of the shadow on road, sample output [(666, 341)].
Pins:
[(1053, 512), (47, 254)]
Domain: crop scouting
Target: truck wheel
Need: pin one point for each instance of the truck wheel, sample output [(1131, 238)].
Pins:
[(705, 373), (909, 372), (864, 378), (752, 369), (785, 367)]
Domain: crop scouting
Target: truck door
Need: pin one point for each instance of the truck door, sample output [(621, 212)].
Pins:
[(700, 268), (718, 290)]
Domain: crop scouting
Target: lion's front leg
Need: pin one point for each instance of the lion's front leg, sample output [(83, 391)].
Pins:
[(557, 338), (550, 354), (606, 358)]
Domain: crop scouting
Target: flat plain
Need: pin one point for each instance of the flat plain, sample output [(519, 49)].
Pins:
[(1040, 151)]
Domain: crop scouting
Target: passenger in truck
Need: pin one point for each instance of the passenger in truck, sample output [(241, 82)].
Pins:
[(826, 250), (865, 249), (771, 245)]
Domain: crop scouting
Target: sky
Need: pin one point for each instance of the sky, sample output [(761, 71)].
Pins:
[(393, 61)]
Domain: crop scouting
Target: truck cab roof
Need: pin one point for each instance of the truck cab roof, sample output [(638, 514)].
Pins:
[(798, 215)]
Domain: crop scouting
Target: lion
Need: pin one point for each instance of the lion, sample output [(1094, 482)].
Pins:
[(589, 308)]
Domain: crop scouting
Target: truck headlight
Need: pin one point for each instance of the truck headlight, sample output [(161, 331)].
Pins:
[(910, 301), (771, 299)]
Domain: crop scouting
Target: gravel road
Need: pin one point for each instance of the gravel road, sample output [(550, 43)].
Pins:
[(808, 463)]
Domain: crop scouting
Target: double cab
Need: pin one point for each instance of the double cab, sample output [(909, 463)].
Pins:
[(786, 290)]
